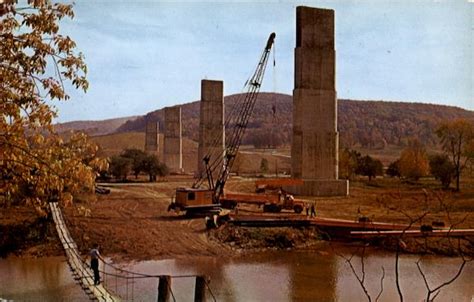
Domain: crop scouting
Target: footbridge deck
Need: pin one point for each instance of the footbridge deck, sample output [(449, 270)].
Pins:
[(80, 270)]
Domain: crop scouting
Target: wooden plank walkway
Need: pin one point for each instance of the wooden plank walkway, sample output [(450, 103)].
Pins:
[(80, 270)]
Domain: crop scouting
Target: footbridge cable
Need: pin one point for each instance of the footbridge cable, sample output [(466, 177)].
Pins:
[(122, 280)]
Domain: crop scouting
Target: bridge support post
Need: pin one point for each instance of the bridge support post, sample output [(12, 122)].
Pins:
[(164, 288), (200, 289)]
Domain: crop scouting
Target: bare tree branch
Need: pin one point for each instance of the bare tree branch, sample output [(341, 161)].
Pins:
[(453, 278), (397, 277), (381, 284)]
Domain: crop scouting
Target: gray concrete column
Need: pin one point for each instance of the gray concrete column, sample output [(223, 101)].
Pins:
[(211, 123), (151, 135), (315, 144), (173, 140)]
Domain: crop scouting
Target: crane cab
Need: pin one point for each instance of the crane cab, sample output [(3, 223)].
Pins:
[(193, 200)]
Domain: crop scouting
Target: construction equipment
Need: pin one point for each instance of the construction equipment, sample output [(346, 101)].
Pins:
[(262, 185), (273, 203), (197, 200)]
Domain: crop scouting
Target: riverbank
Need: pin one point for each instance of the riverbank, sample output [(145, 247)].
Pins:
[(23, 233), (132, 222)]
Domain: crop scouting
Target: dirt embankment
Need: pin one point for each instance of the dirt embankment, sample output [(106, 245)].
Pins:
[(22, 232), (248, 238)]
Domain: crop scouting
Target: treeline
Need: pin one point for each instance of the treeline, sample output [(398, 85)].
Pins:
[(457, 142), (134, 161), (366, 124)]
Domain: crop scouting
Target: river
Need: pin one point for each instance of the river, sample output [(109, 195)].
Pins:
[(269, 276)]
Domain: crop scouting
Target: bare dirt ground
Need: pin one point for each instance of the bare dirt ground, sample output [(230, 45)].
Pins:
[(132, 222)]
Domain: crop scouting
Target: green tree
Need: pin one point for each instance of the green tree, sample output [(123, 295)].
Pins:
[(137, 157), (120, 167), (152, 166), (348, 163), (414, 161), (393, 169), (370, 167), (37, 62), (442, 169), (457, 141)]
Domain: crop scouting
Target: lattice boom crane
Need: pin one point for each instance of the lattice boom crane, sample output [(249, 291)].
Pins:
[(197, 199)]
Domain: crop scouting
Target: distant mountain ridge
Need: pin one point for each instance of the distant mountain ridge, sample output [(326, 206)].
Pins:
[(93, 128), (368, 124)]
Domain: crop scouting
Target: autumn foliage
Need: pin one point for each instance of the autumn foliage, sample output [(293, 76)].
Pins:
[(37, 62), (457, 141), (361, 124), (413, 162)]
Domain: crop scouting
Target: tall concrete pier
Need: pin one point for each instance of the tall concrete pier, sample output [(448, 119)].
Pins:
[(211, 124), (314, 149), (173, 140), (151, 135)]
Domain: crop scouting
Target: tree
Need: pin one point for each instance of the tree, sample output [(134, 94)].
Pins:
[(153, 167), (37, 63), (442, 169), (348, 163), (137, 157), (370, 167), (120, 167), (457, 141), (264, 165), (403, 242), (393, 169), (414, 161)]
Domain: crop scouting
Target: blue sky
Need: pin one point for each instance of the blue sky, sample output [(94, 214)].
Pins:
[(146, 55)]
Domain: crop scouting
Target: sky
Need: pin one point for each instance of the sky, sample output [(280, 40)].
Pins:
[(147, 55)]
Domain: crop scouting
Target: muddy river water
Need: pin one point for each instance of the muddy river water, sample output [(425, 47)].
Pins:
[(269, 276)]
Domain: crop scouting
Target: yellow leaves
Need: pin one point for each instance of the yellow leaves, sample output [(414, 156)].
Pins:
[(26, 50), (35, 162), (38, 139), (67, 199), (8, 24), (48, 164), (41, 212), (37, 3), (414, 161), (99, 164), (64, 43), (457, 140), (7, 6)]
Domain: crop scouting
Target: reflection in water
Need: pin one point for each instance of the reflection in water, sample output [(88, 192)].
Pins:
[(249, 282), (272, 276), (309, 276), (47, 279), (437, 270)]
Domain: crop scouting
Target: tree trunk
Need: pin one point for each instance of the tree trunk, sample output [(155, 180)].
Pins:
[(458, 175)]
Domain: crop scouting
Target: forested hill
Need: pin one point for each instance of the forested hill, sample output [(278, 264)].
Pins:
[(369, 124)]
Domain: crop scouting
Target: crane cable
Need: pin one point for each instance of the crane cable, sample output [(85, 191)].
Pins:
[(274, 126), (243, 106)]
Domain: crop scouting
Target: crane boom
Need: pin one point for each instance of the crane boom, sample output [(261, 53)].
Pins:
[(240, 121), (235, 140), (197, 199)]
